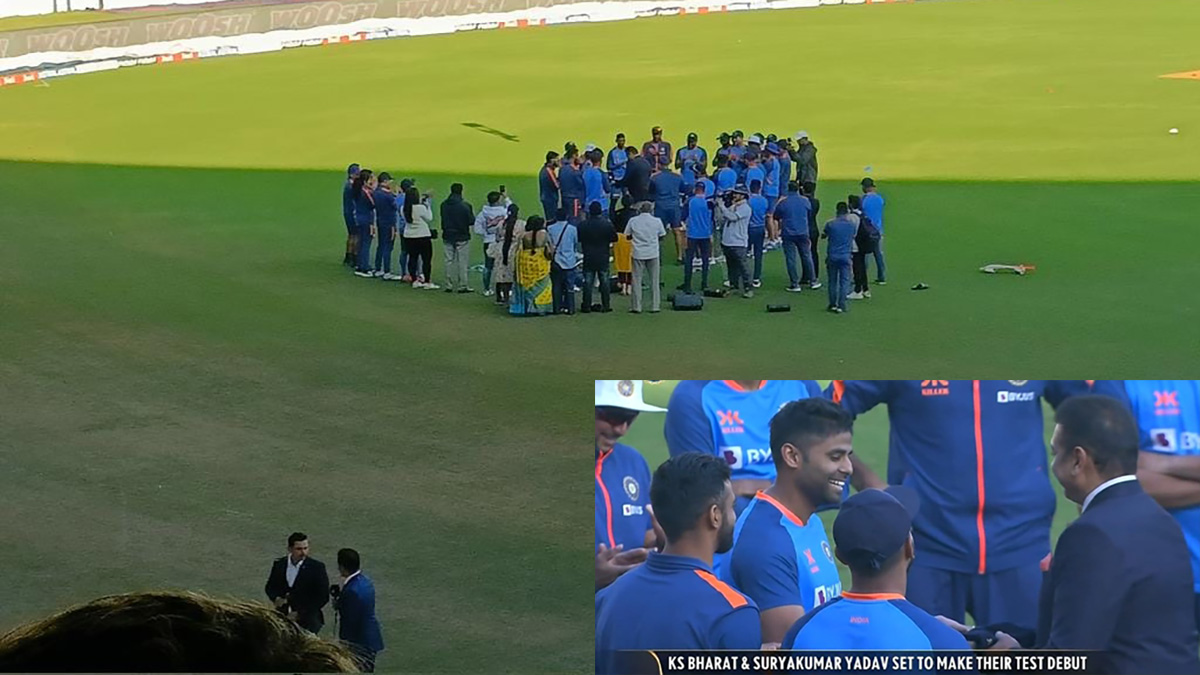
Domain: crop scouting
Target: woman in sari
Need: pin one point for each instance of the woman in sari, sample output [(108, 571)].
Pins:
[(504, 251), (531, 291)]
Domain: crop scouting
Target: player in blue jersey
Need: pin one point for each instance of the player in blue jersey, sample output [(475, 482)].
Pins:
[(625, 525), (975, 452), (348, 216), (872, 536), (1168, 418), (780, 557), (732, 420), (673, 601)]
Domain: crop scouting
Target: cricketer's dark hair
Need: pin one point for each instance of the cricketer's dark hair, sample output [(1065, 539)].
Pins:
[(360, 181), (684, 488), (493, 198), (456, 188), (854, 201), (842, 209), (349, 560), (411, 199), (722, 161), (169, 632), (595, 209), (630, 150), (756, 186), (510, 225), (793, 186), (1104, 427), (626, 200), (551, 156), (809, 187), (806, 422), (295, 537)]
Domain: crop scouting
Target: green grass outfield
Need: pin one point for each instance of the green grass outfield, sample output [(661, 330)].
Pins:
[(173, 312), (870, 444)]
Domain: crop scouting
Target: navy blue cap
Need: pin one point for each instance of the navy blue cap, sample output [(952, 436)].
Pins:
[(773, 148), (872, 525), (352, 169), (692, 136)]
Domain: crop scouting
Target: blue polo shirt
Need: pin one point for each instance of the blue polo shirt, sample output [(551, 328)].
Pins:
[(771, 186), (865, 621), (841, 233), (386, 213), (710, 188), (792, 212), (699, 218), (758, 211), (622, 495), (1168, 417), (688, 157), (617, 159), (596, 187), (779, 560), (666, 186), (364, 208), (872, 205), (671, 602), (726, 179), (756, 173)]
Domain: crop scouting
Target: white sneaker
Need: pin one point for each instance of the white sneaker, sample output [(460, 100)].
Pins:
[(489, 293), (866, 294), (378, 273), (418, 284), (391, 277), (431, 286), (815, 285), (854, 296), (365, 275), (726, 284)]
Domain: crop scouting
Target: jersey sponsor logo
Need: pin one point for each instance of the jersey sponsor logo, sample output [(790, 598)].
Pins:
[(631, 487), (821, 594), (625, 388), (1166, 403), (1172, 440), (730, 421), (809, 556), (1015, 396), (737, 458), (1018, 383), (935, 387), (632, 510)]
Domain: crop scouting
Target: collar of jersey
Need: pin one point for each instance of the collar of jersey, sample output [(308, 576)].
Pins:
[(667, 562), (782, 509), (871, 597)]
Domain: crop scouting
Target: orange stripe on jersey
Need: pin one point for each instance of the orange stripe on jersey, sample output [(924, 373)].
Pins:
[(871, 596), (737, 387), (979, 482), (783, 509), (839, 390), (735, 599)]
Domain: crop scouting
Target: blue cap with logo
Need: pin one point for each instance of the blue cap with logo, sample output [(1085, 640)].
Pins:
[(872, 525)]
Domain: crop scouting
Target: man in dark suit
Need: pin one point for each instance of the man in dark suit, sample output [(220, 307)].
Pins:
[(299, 585), (1120, 580), (356, 607)]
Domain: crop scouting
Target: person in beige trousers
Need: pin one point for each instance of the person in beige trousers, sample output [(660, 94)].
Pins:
[(645, 231)]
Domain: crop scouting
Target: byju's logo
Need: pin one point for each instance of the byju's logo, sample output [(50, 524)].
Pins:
[(1015, 396)]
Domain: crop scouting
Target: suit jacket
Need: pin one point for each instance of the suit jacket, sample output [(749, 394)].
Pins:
[(1120, 581), (356, 606), (307, 596)]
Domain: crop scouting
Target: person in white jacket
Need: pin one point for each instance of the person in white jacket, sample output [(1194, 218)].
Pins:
[(419, 236), (487, 224)]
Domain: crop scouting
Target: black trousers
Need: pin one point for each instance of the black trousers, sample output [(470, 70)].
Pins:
[(420, 257), (858, 262), (589, 278), (814, 238)]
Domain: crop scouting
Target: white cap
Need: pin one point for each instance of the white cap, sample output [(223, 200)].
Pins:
[(801, 134), (590, 147), (756, 139), (625, 394)]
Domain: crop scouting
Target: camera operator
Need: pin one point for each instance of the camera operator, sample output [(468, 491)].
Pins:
[(354, 604), (735, 237), (298, 585)]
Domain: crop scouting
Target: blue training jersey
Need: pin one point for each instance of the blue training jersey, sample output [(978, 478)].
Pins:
[(718, 417), (1168, 417), (622, 495), (726, 179), (872, 205), (865, 621), (758, 211), (671, 602), (779, 560)]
